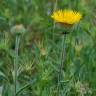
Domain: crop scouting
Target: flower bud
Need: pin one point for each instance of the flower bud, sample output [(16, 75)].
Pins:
[(18, 29)]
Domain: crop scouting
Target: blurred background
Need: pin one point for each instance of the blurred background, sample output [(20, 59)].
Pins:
[(40, 47)]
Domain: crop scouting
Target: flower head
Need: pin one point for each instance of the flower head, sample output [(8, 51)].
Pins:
[(18, 29), (66, 17)]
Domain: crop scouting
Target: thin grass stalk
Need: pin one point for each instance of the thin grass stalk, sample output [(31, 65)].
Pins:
[(25, 87)]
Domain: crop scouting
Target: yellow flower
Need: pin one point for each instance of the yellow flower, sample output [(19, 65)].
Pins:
[(66, 17)]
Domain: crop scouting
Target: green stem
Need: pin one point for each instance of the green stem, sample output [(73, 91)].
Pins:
[(17, 41), (63, 58), (63, 52)]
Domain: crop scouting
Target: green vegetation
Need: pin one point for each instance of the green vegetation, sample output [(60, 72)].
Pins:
[(31, 46)]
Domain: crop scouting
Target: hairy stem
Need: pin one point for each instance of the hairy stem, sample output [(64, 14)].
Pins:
[(17, 41), (63, 52), (63, 58)]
